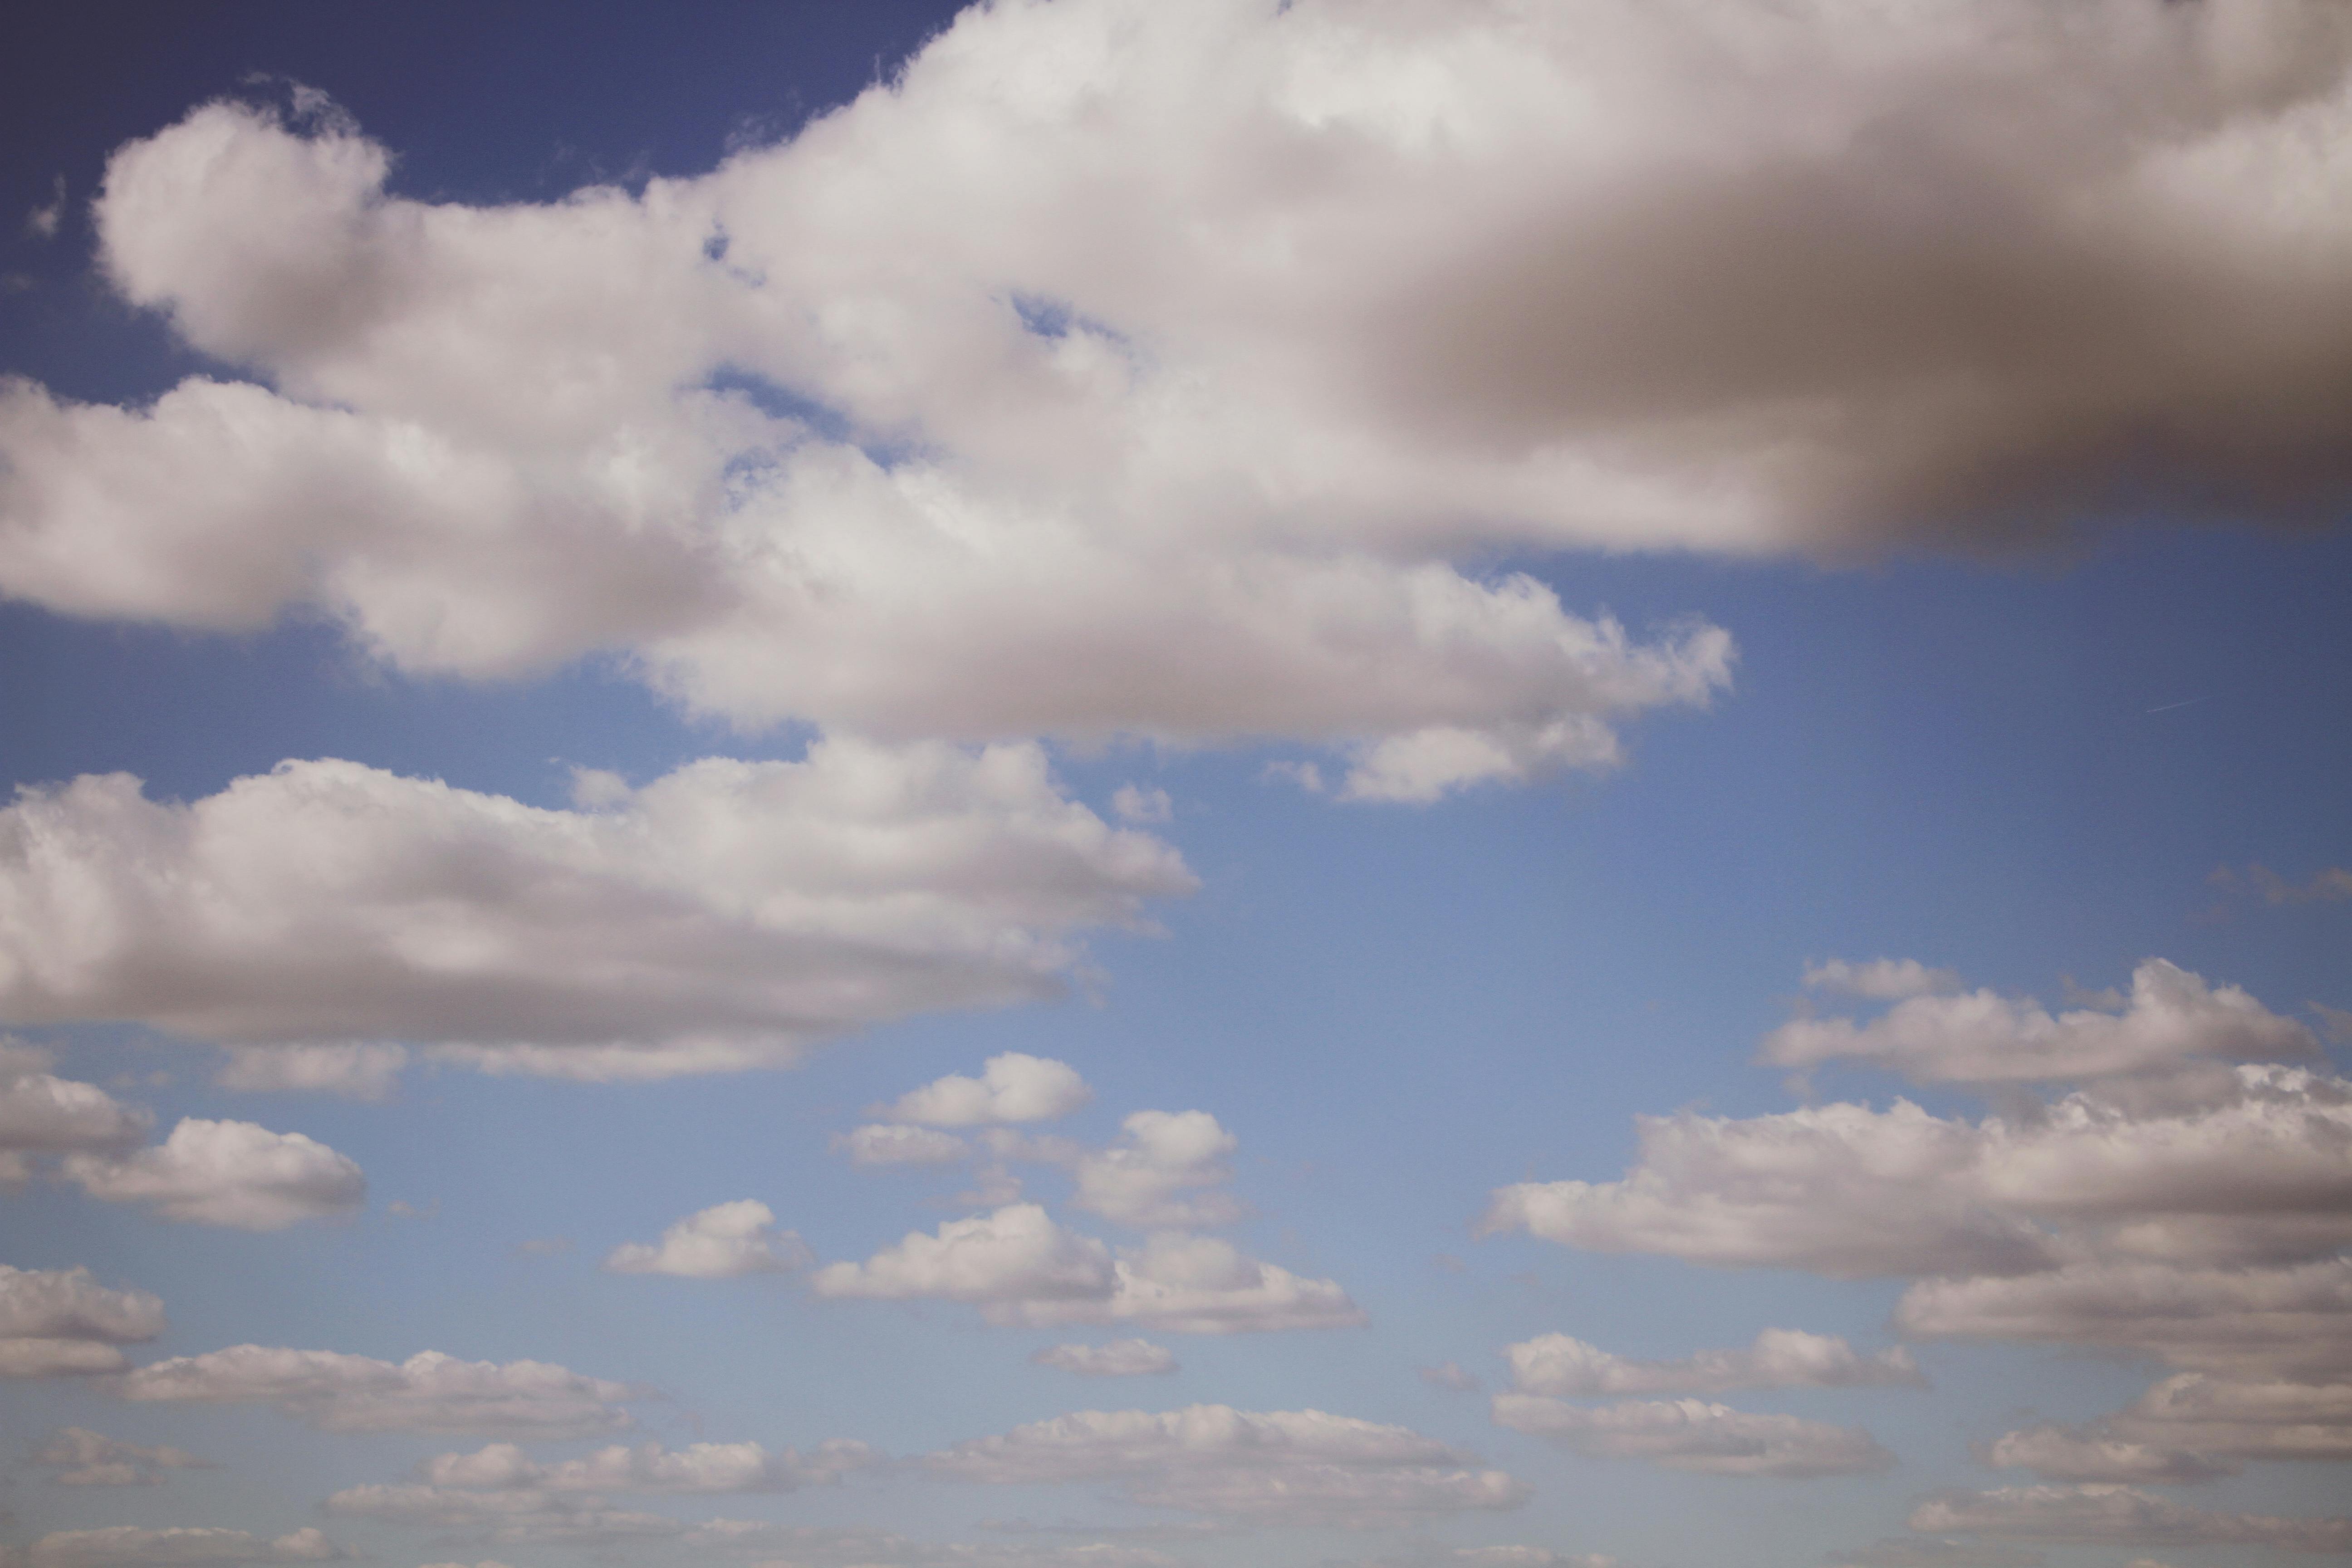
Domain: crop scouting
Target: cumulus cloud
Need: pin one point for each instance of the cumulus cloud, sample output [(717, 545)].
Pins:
[(1133, 803), (367, 1072), (1119, 1358), (2060, 1453), (2254, 1175), (1020, 1268), (77, 1456), (699, 1467), (1153, 1177), (133, 1546), (2119, 1516), (1284, 1467), (509, 1518), (61, 1322), (429, 1392), (227, 1173), (1693, 1435), (728, 915), (2172, 1018), (1780, 1358), (725, 1241), (42, 1114), (1010, 1087), (1889, 979)]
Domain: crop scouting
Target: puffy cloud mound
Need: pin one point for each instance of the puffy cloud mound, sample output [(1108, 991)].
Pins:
[(429, 1392), (1023, 1268), (725, 916), (1286, 1467), (1160, 1156), (77, 1456), (1121, 1358), (42, 1114), (648, 1467), (1780, 1358), (1693, 1435), (2119, 1516), (2172, 1018), (55, 1322), (1010, 1087), (227, 1173), (725, 1241)]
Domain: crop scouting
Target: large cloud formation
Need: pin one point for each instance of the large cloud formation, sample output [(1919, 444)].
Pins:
[(1253, 319), (727, 915)]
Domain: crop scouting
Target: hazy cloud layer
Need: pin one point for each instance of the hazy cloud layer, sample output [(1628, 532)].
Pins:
[(820, 1546), (1119, 1358), (1780, 1358), (726, 916), (429, 1392), (227, 1173), (2119, 1516), (1288, 1467), (368, 1072), (134, 1546), (77, 1456), (61, 1322), (725, 1241), (1694, 1434)]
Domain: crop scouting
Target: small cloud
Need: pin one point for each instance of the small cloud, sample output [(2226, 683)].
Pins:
[(1135, 805), (1306, 775), (42, 222), (725, 1241), (350, 1071), (1121, 1358), (1881, 979), (1449, 1374), (545, 1247), (399, 1208)]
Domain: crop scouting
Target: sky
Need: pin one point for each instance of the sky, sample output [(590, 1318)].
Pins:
[(1086, 784)]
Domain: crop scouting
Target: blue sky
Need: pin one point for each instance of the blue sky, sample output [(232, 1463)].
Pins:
[(1599, 754)]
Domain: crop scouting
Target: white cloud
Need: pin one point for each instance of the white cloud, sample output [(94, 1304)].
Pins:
[(347, 1071), (1286, 1467), (1152, 1177), (2172, 1018), (896, 1143), (1133, 803), (1119, 1358), (725, 1241), (1016, 1254), (430, 1393), (726, 916), (2294, 1321), (227, 1173), (2255, 1175), (80, 1458), (1023, 1268), (133, 1546), (1010, 1087), (42, 1114), (2057, 1453), (2119, 1516), (1692, 1434), (60, 1321), (2190, 1426), (1887, 978), (1780, 1358), (699, 1467)]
